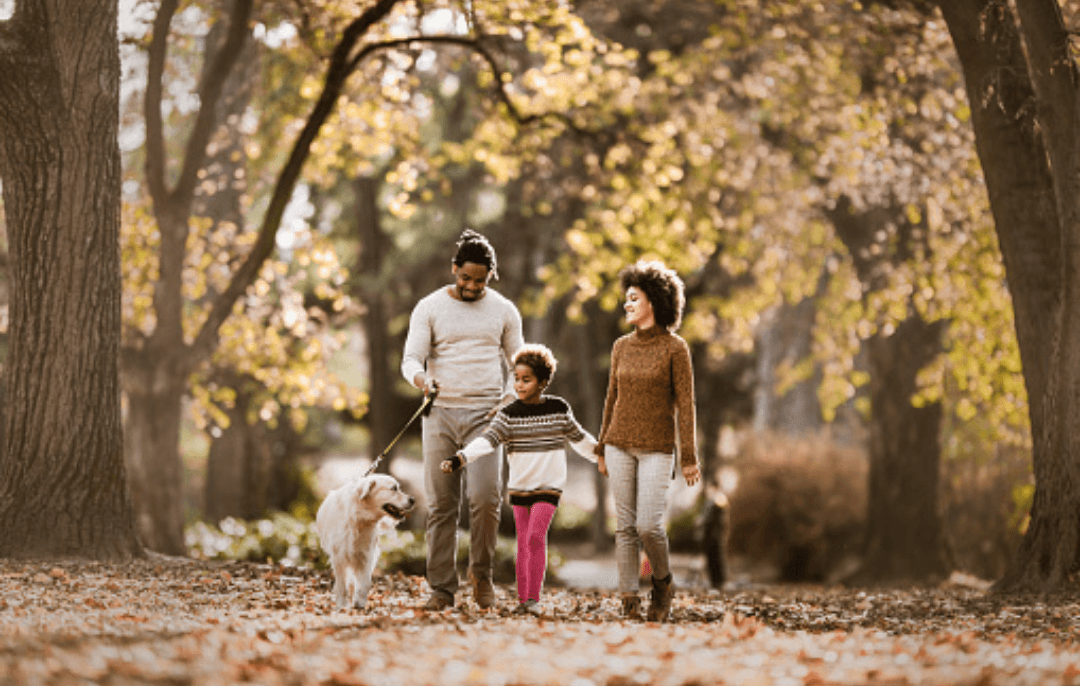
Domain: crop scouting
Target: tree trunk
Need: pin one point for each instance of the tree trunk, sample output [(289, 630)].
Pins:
[(250, 469), (905, 541), (370, 267), (155, 471), (592, 396), (62, 482), (1021, 190), (785, 340)]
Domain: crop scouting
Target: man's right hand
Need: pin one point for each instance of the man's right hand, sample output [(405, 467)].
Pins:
[(428, 386)]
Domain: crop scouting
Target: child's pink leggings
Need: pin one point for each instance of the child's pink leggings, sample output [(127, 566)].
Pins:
[(532, 526)]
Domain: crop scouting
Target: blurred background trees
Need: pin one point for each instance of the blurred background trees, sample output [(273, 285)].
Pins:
[(833, 181)]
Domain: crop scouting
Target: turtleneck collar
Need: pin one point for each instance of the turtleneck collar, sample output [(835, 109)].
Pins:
[(649, 333)]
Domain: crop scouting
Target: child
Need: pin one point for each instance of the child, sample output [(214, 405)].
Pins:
[(534, 428)]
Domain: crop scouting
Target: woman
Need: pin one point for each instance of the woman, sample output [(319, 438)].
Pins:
[(650, 402)]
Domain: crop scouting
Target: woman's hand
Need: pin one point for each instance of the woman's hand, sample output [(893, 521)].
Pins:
[(601, 464), (691, 473)]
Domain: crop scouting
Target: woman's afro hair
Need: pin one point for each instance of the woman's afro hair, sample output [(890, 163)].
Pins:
[(663, 288)]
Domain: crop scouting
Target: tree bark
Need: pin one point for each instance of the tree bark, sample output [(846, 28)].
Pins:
[(1025, 203), (905, 540), (62, 480)]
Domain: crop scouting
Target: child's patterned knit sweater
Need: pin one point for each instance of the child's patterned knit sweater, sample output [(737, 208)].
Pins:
[(535, 436)]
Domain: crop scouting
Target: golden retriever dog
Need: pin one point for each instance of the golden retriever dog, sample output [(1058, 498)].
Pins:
[(349, 522)]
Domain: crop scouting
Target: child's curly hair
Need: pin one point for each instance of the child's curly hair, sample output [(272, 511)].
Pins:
[(539, 359), (663, 288)]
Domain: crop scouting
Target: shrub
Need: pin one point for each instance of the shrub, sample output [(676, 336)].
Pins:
[(280, 538), (284, 539), (799, 504)]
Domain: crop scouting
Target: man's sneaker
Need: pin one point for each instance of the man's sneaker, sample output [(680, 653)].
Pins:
[(663, 592), (631, 606), (483, 591), (439, 601)]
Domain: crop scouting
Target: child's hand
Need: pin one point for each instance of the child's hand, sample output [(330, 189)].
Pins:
[(601, 464), (454, 463)]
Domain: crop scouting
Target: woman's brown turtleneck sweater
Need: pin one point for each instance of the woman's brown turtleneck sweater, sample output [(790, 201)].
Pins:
[(650, 387)]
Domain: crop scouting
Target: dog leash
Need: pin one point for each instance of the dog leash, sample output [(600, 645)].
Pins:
[(423, 409)]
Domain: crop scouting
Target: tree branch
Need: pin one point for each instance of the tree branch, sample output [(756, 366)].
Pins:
[(224, 61), (476, 46), (155, 130), (339, 70)]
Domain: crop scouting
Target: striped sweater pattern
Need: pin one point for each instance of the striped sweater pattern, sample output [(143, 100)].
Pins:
[(535, 436)]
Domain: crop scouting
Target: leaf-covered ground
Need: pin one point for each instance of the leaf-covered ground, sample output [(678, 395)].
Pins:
[(181, 622)]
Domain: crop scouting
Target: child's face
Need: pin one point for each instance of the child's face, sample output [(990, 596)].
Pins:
[(526, 385)]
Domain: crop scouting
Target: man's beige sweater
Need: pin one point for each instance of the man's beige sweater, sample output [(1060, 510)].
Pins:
[(650, 390)]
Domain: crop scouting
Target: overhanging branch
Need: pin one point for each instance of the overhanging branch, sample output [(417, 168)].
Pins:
[(479, 48), (339, 70), (224, 61)]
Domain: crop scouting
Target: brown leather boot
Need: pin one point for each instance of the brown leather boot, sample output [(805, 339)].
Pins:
[(631, 606), (663, 592), (483, 591)]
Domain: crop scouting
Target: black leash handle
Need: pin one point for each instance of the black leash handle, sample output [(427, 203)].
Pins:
[(424, 409)]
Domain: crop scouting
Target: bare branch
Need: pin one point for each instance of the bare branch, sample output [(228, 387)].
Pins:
[(475, 45), (224, 61), (339, 70), (155, 130)]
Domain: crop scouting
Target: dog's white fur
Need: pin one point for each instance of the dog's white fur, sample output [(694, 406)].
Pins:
[(349, 522)]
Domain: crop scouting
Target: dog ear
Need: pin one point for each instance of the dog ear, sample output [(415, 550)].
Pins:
[(365, 488)]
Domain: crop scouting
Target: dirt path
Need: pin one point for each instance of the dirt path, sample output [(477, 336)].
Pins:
[(173, 622)]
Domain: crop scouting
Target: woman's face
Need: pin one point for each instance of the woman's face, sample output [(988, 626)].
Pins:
[(639, 312)]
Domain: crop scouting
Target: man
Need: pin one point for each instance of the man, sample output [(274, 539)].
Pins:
[(461, 340)]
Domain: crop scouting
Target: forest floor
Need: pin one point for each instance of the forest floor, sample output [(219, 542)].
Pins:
[(172, 621)]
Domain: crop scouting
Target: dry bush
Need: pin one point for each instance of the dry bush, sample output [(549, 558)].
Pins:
[(799, 504)]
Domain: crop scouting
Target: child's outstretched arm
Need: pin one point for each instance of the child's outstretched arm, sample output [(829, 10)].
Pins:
[(478, 447), (498, 432), (581, 440)]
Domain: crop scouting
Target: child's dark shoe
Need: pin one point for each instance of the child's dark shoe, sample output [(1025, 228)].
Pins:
[(631, 607)]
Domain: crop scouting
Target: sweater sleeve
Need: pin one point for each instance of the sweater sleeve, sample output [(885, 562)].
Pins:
[(512, 341), (417, 344), (497, 433), (682, 378), (609, 400), (581, 440)]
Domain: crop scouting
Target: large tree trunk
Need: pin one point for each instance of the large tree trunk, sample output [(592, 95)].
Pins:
[(1022, 197), (62, 483), (905, 541)]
